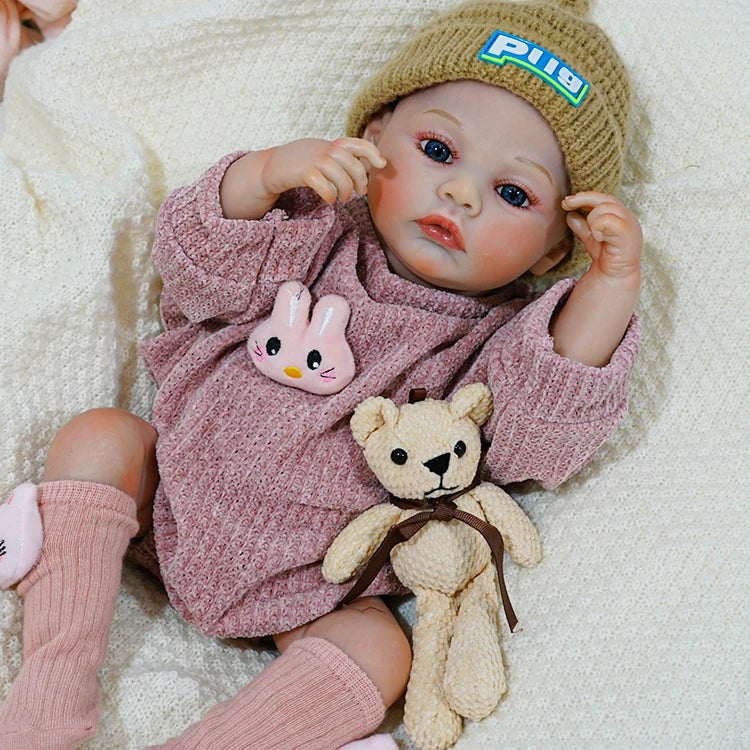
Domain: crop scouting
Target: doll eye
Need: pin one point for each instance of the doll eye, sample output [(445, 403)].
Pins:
[(273, 345), (436, 150), (398, 456), (514, 195), (459, 448), (314, 359)]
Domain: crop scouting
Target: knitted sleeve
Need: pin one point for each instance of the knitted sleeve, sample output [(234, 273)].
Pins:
[(225, 270), (551, 413)]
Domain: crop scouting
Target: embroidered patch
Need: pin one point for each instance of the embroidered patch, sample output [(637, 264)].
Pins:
[(505, 48)]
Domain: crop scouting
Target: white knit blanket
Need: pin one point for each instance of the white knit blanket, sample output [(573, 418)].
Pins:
[(635, 625)]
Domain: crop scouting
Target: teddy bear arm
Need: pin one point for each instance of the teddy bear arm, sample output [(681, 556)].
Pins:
[(519, 534), (357, 541)]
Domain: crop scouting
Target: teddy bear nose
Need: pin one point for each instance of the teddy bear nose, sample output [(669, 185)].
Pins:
[(439, 464)]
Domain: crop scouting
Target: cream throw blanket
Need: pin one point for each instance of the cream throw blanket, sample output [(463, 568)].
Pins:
[(635, 626)]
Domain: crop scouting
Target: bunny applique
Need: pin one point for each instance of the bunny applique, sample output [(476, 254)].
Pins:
[(306, 352), (20, 535)]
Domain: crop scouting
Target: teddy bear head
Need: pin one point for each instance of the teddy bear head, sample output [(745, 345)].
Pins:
[(427, 449)]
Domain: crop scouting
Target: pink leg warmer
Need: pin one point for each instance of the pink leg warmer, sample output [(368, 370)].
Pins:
[(69, 600), (313, 697)]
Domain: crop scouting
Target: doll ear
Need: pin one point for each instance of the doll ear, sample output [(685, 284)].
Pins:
[(553, 256), (372, 414), (473, 401), (374, 129)]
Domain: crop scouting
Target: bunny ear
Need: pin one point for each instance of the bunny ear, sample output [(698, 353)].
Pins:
[(292, 305), (330, 316)]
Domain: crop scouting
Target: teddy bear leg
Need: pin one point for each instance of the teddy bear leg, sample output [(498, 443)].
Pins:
[(474, 675), (429, 720)]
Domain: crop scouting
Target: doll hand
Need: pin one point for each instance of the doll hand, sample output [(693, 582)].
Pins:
[(610, 233), (333, 169)]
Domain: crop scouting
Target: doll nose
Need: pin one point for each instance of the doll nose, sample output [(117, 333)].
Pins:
[(463, 192), (439, 464)]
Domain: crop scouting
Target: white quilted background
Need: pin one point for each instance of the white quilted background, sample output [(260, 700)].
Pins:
[(635, 626)]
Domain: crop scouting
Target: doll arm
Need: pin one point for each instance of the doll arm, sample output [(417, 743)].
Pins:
[(519, 535), (357, 541), (228, 270), (592, 322), (551, 413), (333, 169)]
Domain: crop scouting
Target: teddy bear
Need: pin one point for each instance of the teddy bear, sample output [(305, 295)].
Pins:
[(426, 454)]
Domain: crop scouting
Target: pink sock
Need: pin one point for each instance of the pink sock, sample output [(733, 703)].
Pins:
[(69, 599), (313, 697)]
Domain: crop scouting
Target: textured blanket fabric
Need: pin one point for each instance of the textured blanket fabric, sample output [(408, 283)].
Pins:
[(634, 627)]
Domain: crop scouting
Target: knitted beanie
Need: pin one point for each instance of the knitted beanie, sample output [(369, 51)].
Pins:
[(544, 51)]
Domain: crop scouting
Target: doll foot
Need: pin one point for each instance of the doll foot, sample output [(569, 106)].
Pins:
[(20, 535), (375, 742)]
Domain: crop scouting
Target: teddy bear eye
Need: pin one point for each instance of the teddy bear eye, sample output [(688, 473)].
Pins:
[(398, 456), (459, 448), (273, 345), (314, 359)]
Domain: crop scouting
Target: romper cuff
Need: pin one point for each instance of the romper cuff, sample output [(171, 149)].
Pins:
[(553, 388)]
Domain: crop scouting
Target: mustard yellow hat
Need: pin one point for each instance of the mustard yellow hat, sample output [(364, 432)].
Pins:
[(545, 52)]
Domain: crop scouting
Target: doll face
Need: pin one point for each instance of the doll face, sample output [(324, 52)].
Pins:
[(470, 197)]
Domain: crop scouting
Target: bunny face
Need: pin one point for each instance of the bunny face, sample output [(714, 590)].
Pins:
[(307, 353)]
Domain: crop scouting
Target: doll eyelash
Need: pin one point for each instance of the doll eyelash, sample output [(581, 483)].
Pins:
[(432, 136), (532, 198)]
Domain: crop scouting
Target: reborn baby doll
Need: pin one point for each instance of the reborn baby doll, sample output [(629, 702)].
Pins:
[(496, 130)]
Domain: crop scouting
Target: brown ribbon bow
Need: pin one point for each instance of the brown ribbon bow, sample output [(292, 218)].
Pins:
[(442, 509)]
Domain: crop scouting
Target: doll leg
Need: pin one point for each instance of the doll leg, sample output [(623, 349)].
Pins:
[(100, 472), (475, 650), (331, 684), (428, 718)]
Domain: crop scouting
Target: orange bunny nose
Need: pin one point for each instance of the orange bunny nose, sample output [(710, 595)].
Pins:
[(292, 372)]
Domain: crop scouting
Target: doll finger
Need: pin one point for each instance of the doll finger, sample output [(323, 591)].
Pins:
[(367, 150), (577, 222), (607, 226), (321, 185), (587, 200), (339, 178), (608, 208), (580, 227), (342, 181), (354, 168)]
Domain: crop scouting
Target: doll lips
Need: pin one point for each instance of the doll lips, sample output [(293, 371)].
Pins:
[(443, 231)]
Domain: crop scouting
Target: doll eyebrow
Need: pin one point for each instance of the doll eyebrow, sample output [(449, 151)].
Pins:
[(531, 163), (447, 115)]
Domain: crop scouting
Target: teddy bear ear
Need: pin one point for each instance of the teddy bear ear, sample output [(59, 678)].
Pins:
[(473, 401), (371, 415)]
